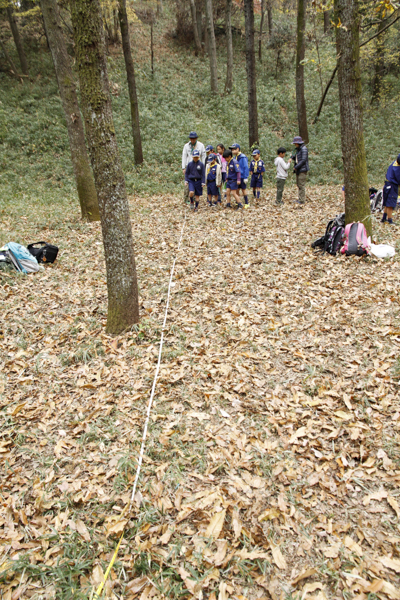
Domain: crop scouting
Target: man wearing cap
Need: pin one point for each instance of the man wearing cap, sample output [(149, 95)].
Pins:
[(391, 191), (192, 144), (244, 170), (195, 178), (301, 168)]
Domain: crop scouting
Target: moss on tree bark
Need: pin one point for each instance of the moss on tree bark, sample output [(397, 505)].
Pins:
[(300, 53), (357, 203), (123, 306)]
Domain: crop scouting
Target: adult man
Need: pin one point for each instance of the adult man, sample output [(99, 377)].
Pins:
[(187, 154), (301, 168)]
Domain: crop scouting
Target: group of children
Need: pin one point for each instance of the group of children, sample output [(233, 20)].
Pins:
[(228, 171)]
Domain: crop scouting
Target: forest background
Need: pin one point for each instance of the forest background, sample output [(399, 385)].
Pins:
[(176, 98)]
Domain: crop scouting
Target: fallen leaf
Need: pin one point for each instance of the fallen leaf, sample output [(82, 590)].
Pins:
[(216, 524)]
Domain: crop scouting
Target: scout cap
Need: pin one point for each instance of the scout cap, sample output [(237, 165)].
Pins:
[(234, 146), (255, 152), (195, 153), (209, 148), (211, 157), (193, 135)]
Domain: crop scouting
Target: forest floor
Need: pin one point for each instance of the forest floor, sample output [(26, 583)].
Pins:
[(272, 466)]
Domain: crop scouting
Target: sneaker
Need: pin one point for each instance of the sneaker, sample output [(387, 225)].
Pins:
[(228, 205), (391, 222), (247, 205), (240, 205)]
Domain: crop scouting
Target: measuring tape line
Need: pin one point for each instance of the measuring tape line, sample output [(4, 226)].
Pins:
[(100, 588)]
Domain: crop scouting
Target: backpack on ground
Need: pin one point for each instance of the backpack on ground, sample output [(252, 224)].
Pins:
[(376, 201), (323, 242), (20, 257), (46, 253), (334, 241), (356, 241)]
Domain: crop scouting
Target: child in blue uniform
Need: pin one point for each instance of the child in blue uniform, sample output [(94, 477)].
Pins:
[(233, 179), (257, 168), (244, 171), (195, 179), (214, 179), (391, 191)]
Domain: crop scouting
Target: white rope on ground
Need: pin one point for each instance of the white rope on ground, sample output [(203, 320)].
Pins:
[(95, 595), (150, 404)]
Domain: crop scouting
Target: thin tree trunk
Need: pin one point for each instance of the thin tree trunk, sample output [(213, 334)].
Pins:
[(379, 69), (357, 203), (261, 31), (300, 52), (152, 48), (130, 75), (327, 21), (195, 30), (212, 50), (62, 64), (199, 20), (123, 306), (229, 47), (328, 85), (17, 40), (9, 60), (251, 72), (269, 15)]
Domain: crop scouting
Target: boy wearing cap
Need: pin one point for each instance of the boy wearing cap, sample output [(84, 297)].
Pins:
[(244, 171), (301, 168), (210, 150), (391, 191), (233, 179), (281, 173), (257, 168), (195, 179), (192, 144), (213, 177)]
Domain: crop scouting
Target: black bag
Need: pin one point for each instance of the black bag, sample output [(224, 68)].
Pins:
[(47, 253), (335, 240), (322, 242)]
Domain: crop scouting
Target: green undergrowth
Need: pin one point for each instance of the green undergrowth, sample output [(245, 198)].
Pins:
[(34, 152)]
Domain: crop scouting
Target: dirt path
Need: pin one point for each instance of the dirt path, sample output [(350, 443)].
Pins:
[(273, 463)]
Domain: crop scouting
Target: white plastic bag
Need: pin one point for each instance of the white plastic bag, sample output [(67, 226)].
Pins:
[(382, 250)]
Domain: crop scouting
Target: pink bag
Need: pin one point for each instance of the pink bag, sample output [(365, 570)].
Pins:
[(356, 240)]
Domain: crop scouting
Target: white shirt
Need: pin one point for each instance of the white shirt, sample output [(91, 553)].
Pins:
[(281, 168), (187, 153)]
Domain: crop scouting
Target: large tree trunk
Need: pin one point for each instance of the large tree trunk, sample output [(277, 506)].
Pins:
[(130, 75), (379, 69), (212, 50), (261, 31), (229, 47), (300, 52), (251, 72), (195, 29), (66, 84), (123, 306), (351, 113), (17, 40)]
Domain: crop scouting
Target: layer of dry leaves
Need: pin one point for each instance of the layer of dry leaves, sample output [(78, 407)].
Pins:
[(272, 467)]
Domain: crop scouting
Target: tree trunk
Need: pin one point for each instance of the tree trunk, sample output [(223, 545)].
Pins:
[(123, 306), (229, 47), (269, 18), (66, 84), (300, 52), (130, 75), (195, 30), (9, 60), (152, 48), (379, 69), (327, 21), (199, 20), (351, 113), (212, 50), (251, 72), (17, 40), (261, 31)]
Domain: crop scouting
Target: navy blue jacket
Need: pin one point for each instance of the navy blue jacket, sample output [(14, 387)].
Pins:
[(393, 173), (302, 160), (195, 170)]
